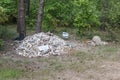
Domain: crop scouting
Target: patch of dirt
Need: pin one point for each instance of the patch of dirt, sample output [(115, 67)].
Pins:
[(105, 70)]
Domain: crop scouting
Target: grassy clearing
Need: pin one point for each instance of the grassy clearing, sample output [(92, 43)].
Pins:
[(78, 62), (52, 68), (110, 52)]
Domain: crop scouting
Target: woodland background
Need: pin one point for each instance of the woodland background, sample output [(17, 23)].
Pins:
[(87, 17)]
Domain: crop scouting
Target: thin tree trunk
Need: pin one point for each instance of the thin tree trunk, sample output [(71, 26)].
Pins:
[(28, 8), (104, 15), (40, 15), (21, 20)]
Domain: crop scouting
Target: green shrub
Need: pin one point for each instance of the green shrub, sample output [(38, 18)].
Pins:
[(86, 16), (6, 32), (3, 15), (114, 13), (9, 10)]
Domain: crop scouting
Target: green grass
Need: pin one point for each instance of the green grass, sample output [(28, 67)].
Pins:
[(10, 74), (57, 65), (9, 69), (82, 61), (51, 66), (110, 49)]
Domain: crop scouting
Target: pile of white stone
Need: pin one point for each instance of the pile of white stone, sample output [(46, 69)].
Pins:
[(42, 44), (96, 40)]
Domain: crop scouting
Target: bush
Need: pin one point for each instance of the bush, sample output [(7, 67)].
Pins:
[(114, 13), (3, 16), (9, 10), (6, 32), (86, 16)]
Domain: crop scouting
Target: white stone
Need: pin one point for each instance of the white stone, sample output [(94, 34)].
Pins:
[(43, 48), (96, 40), (104, 43)]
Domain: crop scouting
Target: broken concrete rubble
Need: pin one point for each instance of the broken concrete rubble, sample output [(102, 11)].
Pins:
[(42, 44)]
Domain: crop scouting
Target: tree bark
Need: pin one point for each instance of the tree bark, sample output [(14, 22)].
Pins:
[(104, 15), (21, 20), (28, 8), (40, 15)]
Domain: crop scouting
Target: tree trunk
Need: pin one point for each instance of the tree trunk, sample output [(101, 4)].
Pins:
[(28, 8), (40, 15), (104, 15), (21, 20)]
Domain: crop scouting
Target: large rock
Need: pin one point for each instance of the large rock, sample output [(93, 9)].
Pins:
[(96, 40)]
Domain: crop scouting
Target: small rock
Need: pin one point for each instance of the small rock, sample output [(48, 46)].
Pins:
[(43, 48)]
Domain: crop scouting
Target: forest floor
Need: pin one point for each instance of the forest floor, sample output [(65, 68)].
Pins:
[(85, 63)]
